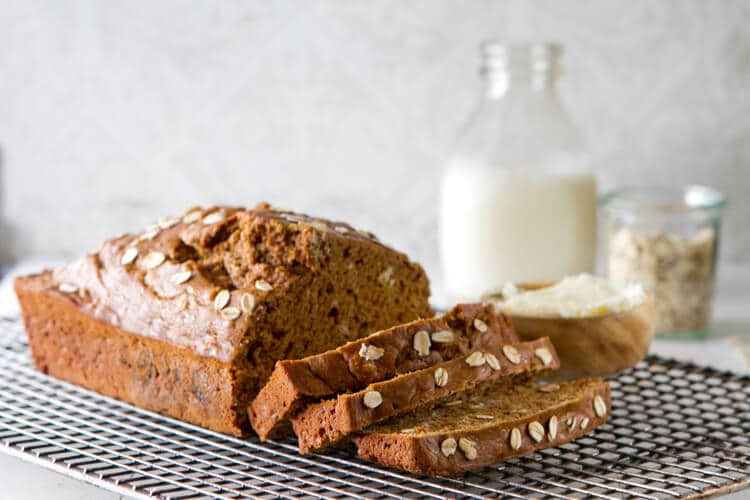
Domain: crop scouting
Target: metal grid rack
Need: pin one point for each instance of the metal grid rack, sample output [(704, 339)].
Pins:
[(676, 431)]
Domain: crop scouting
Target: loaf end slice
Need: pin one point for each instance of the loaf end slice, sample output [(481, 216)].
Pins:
[(379, 356), (322, 424), (489, 426)]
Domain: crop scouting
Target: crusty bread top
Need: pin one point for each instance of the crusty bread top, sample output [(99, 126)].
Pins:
[(198, 279)]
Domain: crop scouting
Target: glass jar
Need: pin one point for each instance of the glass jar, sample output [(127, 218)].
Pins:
[(518, 194), (667, 239)]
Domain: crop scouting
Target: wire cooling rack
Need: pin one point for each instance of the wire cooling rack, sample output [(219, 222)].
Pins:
[(676, 431)]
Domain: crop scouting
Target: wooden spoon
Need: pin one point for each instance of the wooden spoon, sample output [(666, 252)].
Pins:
[(596, 345)]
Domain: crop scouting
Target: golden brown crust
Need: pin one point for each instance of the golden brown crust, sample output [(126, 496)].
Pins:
[(321, 424), (69, 344), (288, 285), (477, 446), (346, 368)]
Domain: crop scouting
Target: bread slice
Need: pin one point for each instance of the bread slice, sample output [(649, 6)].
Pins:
[(379, 356), (321, 424), (493, 424)]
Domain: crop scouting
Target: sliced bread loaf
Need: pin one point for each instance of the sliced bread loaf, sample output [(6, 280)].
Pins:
[(489, 425), (379, 356), (324, 423), (188, 316)]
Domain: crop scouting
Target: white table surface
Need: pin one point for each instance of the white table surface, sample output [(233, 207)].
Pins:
[(727, 348)]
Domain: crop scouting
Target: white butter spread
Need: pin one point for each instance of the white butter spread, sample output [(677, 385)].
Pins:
[(572, 297)]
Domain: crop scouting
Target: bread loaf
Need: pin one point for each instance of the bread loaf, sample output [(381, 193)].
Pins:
[(188, 317)]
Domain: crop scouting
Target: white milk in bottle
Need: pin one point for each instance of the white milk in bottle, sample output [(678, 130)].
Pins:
[(518, 196)]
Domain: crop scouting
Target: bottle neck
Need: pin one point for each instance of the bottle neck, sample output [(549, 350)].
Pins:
[(520, 68)]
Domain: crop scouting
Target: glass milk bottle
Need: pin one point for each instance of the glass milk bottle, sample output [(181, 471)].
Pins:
[(518, 194)]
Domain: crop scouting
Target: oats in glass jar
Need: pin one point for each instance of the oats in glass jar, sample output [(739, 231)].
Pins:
[(678, 270)]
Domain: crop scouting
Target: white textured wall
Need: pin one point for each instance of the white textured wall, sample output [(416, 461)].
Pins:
[(112, 113)]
